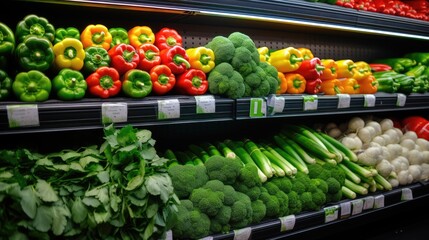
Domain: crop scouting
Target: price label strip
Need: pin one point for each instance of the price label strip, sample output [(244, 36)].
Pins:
[(379, 201), (275, 104), (346, 210), (205, 104), (343, 100), (369, 100), (258, 108), (331, 213), (401, 100), (287, 223), (168, 109), (310, 102), (114, 112), (357, 206), (242, 234), (26, 115), (407, 194), (368, 203)]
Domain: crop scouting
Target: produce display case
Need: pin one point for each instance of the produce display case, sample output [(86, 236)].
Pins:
[(330, 31)]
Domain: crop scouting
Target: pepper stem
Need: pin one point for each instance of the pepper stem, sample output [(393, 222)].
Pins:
[(205, 59), (150, 54), (297, 83), (294, 59), (128, 55), (171, 41), (178, 59), (196, 82), (319, 67), (163, 79), (106, 82), (98, 37)]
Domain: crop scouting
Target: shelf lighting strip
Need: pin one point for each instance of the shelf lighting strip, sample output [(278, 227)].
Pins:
[(187, 11)]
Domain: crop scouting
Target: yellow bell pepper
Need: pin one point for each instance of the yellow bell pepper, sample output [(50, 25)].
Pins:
[(96, 35), (264, 54), (286, 60), (201, 58), (69, 53), (306, 53), (349, 86), (362, 70), (139, 35), (345, 68)]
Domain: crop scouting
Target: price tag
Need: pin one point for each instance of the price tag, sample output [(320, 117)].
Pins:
[(401, 100), (343, 100), (207, 238), (368, 203), (407, 194), (114, 112), (310, 102), (331, 213), (369, 100), (346, 210), (275, 104), (169, 108), (357, 206), (205, 104), (379, 201), (242, 234), (23, 115), (169, 235), (287, 223), (258, 108)]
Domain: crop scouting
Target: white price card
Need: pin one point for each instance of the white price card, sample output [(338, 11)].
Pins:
[(243, 233), (343, 100), (357, 206), (368, 203), (169, 235), (346, 210), (401, 100), (207, 238), (275, 104), (379, 201), (331, 213), (258, 108), (287, 223), (24, 115), (169, 108), (369, 100), (205, 104), (407, 194), (310, 102), (114, 112)]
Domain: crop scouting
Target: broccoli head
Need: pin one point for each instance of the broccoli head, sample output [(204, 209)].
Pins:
[(223, 169), (220, 222), (252, 192), (256, 84), (225, 81), (333, 185), (334, 197), (259, 211), (227, 190), (242, 61), (320, 184), (314, 170), (207, 200), (284, 203), (307, 201), (249, 176), (319, 198), (223, 49), (186, 178), (241, 211), (272, 76), (271, 203), (283, 183), (271, 187), (242, 40), (295, 205), (191, 223)]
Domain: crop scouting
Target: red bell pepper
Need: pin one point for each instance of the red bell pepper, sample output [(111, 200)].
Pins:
[(192, 82), (123, 57), (176, 59), (313, 86), (167, 38), (311, 69), (163, 80), (104, 82), (149, 56)]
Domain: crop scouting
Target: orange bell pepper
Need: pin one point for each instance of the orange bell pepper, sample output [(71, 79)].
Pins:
[(282, 88), (96, 35), (330, 71), (295, 83), (349, 85), (306, 53), (139, 35), (331, 87), (368, 85)]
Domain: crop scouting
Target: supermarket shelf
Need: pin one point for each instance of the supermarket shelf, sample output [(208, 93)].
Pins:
[(373, 206)]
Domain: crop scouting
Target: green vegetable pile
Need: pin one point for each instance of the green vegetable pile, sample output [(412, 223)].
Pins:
[(119, 190)]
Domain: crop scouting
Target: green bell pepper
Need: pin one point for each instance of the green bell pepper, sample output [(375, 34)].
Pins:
[(5, 85), (32, 86), (419, 57), (399, 65), (421, 84), (95, 57), (136, 83), (7, 40), (406, 83), (34, 25), (387, 85), (69, 84), (416, 71), (119, 35), (35, 53), (62, 33)]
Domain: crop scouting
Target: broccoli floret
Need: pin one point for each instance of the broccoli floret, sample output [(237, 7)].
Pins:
[(223, 49), (334, 197), (256, 84), (271, 188), (319, 198), (219, 223), (307, 201), (223, 169), (284, 203), (298, 186), (191, 223), (186, 178), (207, 200), (187, 204), (227, 190), (242, 61), (320, 184), (242, 40), (337, 173), (272, 204), (259, 211), (272, 76), (314, 170), (283, 183), (252, 192), (241, 211), (249, 176), (295, 205), (301, 182), (225, 81), (333, 185)]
